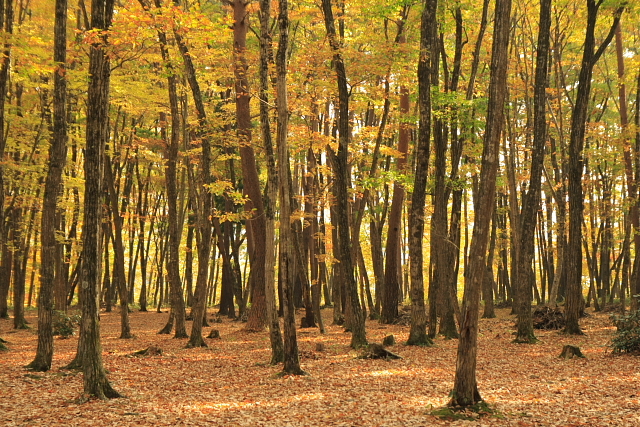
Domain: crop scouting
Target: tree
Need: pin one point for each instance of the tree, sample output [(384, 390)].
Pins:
[(52, 190), (270, 204), (291, 357), (418, 331), (531, 199), (465, 390), (6, 25), (258, 315), (392, 270), (576, 163), (358, 333), (95, 379)]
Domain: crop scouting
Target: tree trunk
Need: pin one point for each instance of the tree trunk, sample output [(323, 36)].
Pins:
[(275, 336), (291, 357), (52, 190), (95, 380), (6, 24), (532, 198), (392, 266), (392, 270), (465, 390), (576, 164), (257, 319), (418, 330), (358, 333), (632, 184), (118, 264)]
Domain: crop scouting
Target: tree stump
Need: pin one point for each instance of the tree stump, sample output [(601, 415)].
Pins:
[(152, 350), (569, 351), (214, 334), (389, 340), (377, 351)]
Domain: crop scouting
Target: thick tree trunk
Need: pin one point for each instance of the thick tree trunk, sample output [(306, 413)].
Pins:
[(258, 315), (95, 380), (465, 390)]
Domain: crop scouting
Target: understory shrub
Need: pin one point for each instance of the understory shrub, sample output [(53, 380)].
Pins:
[(626, 339), (64, 325)]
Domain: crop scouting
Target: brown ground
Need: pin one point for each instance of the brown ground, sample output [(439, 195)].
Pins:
[(229, 384)]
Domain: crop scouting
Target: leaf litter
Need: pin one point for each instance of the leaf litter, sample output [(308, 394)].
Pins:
[(230, 383)]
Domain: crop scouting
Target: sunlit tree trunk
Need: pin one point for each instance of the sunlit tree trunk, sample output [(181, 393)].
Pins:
[(258, 315)]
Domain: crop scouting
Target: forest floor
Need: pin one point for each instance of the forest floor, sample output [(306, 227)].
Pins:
[(230, 383)]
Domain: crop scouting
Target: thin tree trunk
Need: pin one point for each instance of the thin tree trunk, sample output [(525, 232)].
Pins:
[(590, 56), (119, 276), (632, 185), (52, 189), (275, 336), (291, 356), (532, 198), (358, 333), (394, 234), (418, 330)]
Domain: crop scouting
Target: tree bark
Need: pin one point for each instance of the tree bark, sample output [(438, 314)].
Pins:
[(6, 24), (275, 335), (532, 198), (358, 333), (576, 164), (418, 330), (291, 356), (465, 391), (632, 184), (118, 263), (393, 269), (257, 319), (95, 379), (52, 190)]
